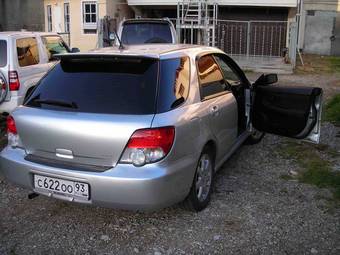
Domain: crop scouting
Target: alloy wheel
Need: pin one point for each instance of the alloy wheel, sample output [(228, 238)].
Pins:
[(203, 177)]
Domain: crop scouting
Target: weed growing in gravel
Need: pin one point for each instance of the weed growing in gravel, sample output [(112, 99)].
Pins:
[(315, 169), (332, 110)]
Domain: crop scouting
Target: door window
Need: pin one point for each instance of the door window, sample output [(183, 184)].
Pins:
[(229, 74), (54, 45), (211, 79), (28, 52)]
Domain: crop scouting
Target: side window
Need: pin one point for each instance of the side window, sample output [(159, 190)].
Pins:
[(54, 45), (174, 83), (211, 79), (28, 52), (229, 74)]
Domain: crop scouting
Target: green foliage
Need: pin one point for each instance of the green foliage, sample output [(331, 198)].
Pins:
[(332, 110), (315, 170)]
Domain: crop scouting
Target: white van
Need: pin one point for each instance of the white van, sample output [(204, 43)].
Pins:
[(24, 58), (142, 31)]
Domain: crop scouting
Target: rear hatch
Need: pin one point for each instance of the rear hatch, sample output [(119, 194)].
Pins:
[(87, 107), (3, 69)]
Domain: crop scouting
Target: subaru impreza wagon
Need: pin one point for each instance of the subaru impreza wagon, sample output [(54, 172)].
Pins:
[(146, 126)]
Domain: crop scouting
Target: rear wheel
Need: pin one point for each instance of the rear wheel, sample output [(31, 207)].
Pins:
[(200, 192)]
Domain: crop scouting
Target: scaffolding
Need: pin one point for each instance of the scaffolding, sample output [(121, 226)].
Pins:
[(196, 22)]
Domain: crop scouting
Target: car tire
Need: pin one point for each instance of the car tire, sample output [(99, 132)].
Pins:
[(255, 137), (201, 188)]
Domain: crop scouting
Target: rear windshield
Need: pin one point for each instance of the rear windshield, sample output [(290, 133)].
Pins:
[(143, 32), (112, 85), (3, 53)]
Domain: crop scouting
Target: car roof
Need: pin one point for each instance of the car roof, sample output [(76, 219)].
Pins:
[(163, 51), (23, 33), (142, 20)]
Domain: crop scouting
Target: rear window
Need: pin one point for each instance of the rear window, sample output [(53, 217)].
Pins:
[(139, 33), (99, 85), (3, 53), (28, 52)]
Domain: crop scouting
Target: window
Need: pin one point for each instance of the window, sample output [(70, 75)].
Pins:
[(67, 17), (28, 52), (229, 74), (90, 17), (174, 83), (211, 79), (111, 85), (146, 32), (54, 45), (49, 18), (3, 53)]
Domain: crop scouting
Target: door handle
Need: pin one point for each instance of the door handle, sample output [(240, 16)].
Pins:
[(214, 110)]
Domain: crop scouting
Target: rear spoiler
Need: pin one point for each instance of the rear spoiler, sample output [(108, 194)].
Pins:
[(102, 56)]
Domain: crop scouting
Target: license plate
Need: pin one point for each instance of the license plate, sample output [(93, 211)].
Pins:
[(60, 186)]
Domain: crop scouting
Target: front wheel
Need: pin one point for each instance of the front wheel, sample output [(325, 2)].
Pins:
[(200, 192)]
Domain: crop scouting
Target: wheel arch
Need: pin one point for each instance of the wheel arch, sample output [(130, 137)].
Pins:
[(212, 147)]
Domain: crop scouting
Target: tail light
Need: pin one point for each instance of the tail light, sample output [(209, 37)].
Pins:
[(14, 83), (148, 145), (12, 134)]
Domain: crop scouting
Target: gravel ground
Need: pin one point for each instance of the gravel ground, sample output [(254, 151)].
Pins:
[(253, 211)]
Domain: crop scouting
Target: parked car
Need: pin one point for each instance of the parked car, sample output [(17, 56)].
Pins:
[(24, 58), (146, 126), (141, 31)]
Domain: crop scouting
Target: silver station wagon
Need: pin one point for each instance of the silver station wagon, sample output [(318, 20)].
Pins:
[(146, 126)]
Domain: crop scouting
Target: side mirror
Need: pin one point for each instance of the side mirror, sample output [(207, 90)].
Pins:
[(266, 79), (75, 50)]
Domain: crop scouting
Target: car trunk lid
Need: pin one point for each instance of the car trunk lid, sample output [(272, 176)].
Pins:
[(77, 138)]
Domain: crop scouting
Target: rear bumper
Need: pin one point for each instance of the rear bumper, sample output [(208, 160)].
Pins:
[(149, 187), (9, 106)]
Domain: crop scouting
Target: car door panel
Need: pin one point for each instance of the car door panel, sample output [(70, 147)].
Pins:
[(220, 103), (223, 122), (287, 111)]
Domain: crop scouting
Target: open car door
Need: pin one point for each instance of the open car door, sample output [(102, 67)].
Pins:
[(288, 111)]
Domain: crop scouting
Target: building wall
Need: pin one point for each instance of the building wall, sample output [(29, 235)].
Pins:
[(78, 38), (18, 14), (320, 27), (252, 13), (322, 5)]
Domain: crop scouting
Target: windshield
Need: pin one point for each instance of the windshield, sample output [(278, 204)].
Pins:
[(54, 45), (144, 32), (111, 85), (3, 53)]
